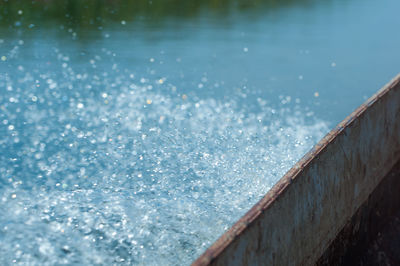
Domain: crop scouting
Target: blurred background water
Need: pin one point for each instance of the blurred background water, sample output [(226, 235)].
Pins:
[(137, 132)]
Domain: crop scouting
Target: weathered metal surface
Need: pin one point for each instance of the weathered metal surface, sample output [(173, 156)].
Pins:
[(372, 235), (301, 215)]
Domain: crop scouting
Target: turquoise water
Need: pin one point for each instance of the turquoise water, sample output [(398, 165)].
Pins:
[(138, 132)]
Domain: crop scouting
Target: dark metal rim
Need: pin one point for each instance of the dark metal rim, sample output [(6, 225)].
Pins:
[(281, 186)]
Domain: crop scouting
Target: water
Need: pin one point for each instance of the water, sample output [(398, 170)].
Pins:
[(138, 133)]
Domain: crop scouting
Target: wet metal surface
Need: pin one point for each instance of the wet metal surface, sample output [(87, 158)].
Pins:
[(303, 213)]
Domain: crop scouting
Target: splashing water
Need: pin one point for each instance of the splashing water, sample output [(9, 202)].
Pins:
[(105, 168)]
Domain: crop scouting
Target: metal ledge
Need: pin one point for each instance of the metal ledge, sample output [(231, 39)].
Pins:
[(299, 218)]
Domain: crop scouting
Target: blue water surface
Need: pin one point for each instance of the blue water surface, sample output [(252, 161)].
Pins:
[(139, 138)]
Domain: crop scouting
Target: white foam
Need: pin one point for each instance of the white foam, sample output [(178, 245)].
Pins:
[(134, 172)]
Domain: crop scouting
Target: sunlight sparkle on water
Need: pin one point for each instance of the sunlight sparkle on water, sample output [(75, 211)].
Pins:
[(100, 169)]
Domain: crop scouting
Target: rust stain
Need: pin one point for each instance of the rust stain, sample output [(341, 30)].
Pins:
[(252, 219)]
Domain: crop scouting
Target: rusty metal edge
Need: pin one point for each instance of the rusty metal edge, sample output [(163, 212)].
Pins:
[(281, 186)]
